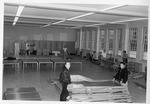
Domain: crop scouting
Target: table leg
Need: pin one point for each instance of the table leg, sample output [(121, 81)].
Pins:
[(52, 67), (23, 67), (18, 67), (81, 66), (39, 66), (54, 70)]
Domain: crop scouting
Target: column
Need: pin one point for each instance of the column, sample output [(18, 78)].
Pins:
[(139, 52), (116, 43), (97, 41), (80, 47), (126, 43), (107, 41)]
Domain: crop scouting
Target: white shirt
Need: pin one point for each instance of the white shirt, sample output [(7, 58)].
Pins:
[(104, 55)]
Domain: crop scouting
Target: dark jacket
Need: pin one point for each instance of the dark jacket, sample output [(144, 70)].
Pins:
[(65, 76), (64, 79), (122, 75)]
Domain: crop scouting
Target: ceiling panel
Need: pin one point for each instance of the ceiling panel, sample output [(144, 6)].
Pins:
[(132, 8), (49, 13), (77, 23), (96, 6), (105, 18), (10, 10)]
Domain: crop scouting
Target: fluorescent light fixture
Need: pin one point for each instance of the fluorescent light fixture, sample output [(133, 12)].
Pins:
[(46, 25), (113, 7), (83, 15), (19, 11), (16, 19), (58, 22), (14, 23)]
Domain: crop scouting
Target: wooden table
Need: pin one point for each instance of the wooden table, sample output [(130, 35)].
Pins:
[(44, 61), (57, 61), (13, 62), (21, 90), (62, 61), (24, 93), (76, 62), (23, 96), (38, 57), (31, 61)]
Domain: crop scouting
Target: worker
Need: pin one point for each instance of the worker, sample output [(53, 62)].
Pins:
[(65, 51), (65, 79), (125, 57), (122, 75)]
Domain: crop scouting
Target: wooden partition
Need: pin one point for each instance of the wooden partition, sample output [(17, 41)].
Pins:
[(39, 45)]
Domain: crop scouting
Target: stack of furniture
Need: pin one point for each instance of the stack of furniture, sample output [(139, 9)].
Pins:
[(96, 90), (25, 93)]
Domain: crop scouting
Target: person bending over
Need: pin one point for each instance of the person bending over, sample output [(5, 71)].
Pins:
[(122, 75), (65, 79)]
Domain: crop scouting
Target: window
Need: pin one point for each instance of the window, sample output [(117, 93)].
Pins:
[(111, 40), (119, 41), (145, 42), (83, 40), (88, 41), (102, 40), (93, 40), (133, 42)]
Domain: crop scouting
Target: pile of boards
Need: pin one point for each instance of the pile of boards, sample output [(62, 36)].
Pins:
[(88, 90), (25, 93)]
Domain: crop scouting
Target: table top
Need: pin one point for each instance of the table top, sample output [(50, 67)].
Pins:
[(23, 89), (38, 57), (58, 60), (29, 60), (44, 60), (10, 61), (23, 96), (74, 60), (62, 60)]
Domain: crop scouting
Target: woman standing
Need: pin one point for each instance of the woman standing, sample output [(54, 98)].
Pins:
[(65, 52), (65, 80), (125, 57), (122, 75)]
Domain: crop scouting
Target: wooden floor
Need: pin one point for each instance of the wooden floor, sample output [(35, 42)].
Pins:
[(47, 92)]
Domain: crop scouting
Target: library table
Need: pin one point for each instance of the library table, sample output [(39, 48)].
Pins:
[(13, 62), (31, 61), (44, 61)]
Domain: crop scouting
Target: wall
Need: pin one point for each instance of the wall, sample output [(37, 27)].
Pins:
[(16, 33), (55, 34)]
